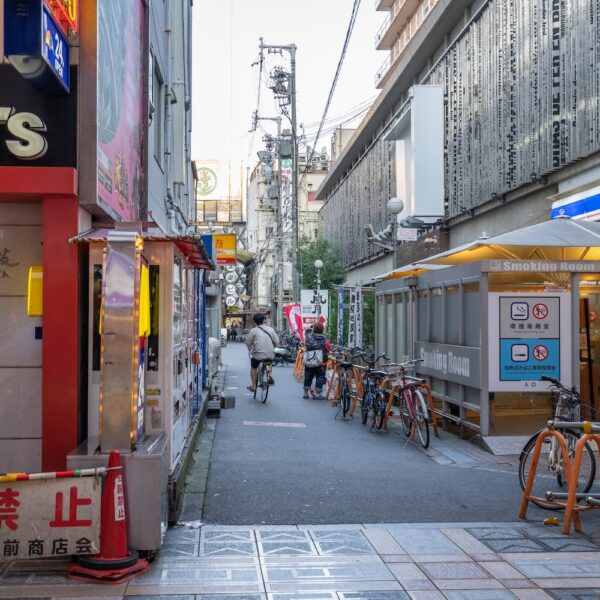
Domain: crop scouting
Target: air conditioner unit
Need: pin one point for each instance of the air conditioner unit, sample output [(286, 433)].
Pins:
[(273, 192)]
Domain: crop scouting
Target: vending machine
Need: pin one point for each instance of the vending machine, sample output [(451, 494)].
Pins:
[(143, 363)]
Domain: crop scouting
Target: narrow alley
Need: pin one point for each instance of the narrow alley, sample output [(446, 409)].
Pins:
[(292, 461)]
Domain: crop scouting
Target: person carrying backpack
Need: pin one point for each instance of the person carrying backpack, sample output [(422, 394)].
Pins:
[(315, 358)]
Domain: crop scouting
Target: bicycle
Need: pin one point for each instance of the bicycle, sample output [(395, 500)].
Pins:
[(343, 368), (412, 407), (550, 469), (263, 376), (373, 402)]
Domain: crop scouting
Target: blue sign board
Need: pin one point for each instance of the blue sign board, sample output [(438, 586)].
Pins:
[(581, 205), (36, 46), (55, 48), (529, 359)]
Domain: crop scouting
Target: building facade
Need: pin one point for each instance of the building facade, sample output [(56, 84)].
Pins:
[(511, 95), (520, 116), (263, 235), (115, 155)]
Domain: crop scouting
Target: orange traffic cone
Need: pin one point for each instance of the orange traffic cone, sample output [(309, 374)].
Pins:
[(115, 563)]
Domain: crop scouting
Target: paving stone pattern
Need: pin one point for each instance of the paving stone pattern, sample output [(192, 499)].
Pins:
[(478, 561)]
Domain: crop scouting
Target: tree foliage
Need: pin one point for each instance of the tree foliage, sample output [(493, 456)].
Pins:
[(332, 272)]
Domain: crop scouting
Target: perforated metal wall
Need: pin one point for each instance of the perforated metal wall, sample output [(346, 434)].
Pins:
[(522, 88)]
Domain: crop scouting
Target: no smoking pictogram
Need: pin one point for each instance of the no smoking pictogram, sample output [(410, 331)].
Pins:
[(540, 311), (540, 352)]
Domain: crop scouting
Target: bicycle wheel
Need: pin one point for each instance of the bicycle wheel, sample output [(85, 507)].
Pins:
[(404, 414), (379, 405), (364, 406), (550, 475), (264, 383), (421, 418), (345, 398)]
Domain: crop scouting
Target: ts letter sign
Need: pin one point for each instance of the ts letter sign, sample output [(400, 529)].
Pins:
[(25, 126)]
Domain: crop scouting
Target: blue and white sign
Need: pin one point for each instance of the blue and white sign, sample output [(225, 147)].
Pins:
[(528, 360), (36, 46), (582, 205), (529, 336), (55, 48)]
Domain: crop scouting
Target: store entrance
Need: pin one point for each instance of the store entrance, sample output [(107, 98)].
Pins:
[(589, 347)]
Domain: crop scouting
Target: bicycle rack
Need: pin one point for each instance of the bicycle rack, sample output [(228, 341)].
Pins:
[(298, 366), (591, 432), (568, 500), (527, 495)]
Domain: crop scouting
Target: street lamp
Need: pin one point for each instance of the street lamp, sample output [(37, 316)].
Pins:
[(395, 206), (318, 266)]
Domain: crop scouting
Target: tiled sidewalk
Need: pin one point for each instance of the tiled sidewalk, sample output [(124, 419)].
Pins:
[(464, 561)]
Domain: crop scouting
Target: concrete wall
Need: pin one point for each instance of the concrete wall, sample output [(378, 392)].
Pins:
[(363, 275), (169, 168), (20, 351)]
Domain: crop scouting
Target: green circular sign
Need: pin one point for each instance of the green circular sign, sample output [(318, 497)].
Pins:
[(207, 181)]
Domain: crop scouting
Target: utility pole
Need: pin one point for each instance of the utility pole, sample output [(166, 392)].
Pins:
[(279, 315), (295, 219), (290, 93)]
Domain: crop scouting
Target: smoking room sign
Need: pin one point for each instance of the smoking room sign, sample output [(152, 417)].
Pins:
[(48, 518), (529, 338)]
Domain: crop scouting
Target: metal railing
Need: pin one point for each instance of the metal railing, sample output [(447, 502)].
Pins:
[(383, 69), (383, 29)]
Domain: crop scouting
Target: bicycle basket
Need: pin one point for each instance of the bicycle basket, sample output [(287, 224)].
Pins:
[(566, 406)]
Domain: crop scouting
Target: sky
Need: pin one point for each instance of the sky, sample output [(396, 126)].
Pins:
[(226, 42)]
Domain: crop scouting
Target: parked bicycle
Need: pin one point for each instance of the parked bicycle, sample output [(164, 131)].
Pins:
[(374, 401), (343, 370), (550, 475), (411, 403)]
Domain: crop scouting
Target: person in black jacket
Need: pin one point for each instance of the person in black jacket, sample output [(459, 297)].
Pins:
[(315, 359)]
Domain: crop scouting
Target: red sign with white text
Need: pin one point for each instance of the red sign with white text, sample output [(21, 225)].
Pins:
[(49, 517)]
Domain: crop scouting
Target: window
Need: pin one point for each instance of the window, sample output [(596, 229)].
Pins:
[(157, 105)]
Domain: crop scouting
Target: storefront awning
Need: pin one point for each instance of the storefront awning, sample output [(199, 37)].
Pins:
[(560, 239), (190, 245)]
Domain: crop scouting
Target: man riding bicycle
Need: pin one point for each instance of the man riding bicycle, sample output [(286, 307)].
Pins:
[(261, 342)]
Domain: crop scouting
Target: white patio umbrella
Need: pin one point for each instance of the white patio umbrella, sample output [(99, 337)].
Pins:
[(560, 239)]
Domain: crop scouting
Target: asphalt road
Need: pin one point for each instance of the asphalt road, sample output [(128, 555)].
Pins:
[(321, 470)]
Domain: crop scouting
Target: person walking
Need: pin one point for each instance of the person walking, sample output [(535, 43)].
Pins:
[(315, 359), (261, 342)]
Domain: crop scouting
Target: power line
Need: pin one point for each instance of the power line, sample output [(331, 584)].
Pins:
[(365, 103), (339, 65), (338, 70)]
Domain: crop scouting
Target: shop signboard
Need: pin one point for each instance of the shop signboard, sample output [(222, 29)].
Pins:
[(32, 37), (355, 319), (314, 307), (36, 129), (120, 118), (352, 319), (48, 518), (340, 317), (584, 205), (540, 266), (224, 248), (530, 337), (67, 14), (459, 364)]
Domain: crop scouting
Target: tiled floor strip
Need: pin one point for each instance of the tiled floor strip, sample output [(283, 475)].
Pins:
[(478, 561)]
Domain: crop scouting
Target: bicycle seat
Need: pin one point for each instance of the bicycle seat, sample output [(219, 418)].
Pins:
[(378, 374), (345, 364)]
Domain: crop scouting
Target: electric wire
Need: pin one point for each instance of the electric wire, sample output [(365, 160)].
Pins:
[(340, 63)]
